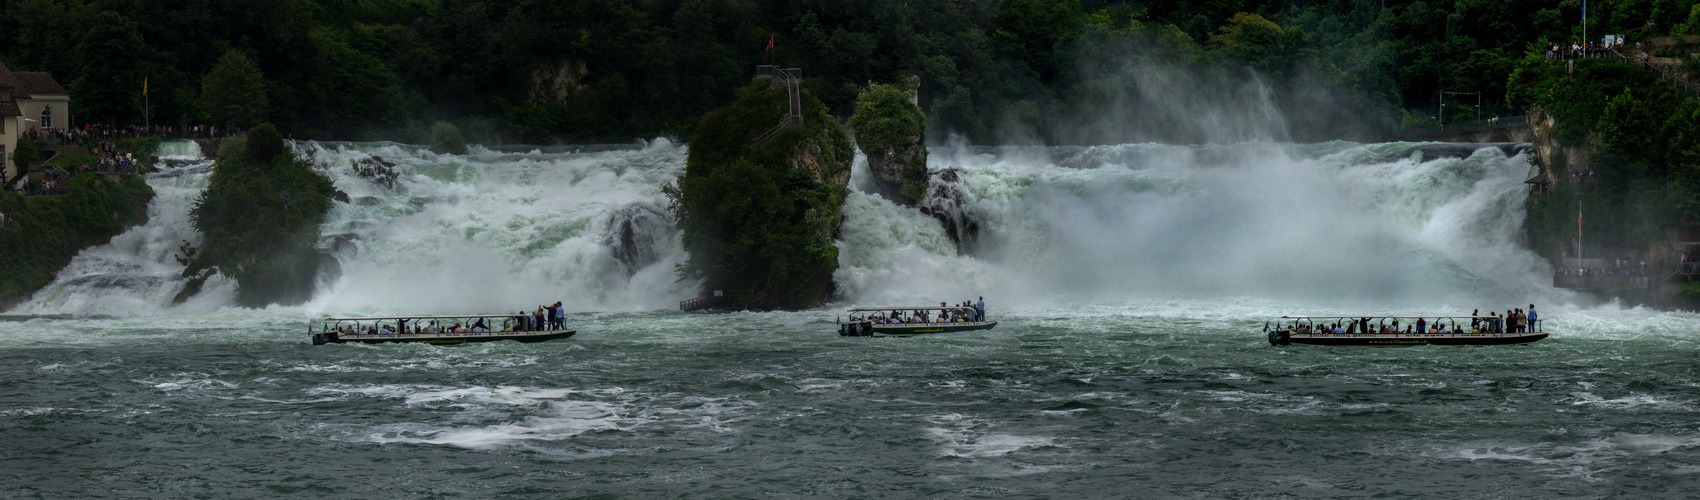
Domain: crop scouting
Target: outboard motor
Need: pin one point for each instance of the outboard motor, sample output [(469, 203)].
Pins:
[(318, 339), (1277, 337)]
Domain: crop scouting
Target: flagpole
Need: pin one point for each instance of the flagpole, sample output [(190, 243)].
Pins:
[(147, 110)]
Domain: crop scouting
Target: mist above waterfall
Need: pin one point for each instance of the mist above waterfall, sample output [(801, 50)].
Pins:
[(1338, 223)]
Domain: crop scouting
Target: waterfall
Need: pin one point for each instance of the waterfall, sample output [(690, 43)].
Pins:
[(511, 229), (1339, 222)]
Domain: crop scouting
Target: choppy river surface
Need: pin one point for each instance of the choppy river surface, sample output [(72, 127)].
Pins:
[(1147, 399), (1132, 283)]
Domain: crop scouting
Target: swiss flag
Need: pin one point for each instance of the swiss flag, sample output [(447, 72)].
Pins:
[(769, 44)]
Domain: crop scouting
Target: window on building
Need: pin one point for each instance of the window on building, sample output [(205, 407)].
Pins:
[(5, 94), (47, 118)]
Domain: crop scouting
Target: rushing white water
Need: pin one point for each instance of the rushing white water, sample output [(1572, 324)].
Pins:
[(1332, 224), (137, 272), (1338, 223), (492, 231)]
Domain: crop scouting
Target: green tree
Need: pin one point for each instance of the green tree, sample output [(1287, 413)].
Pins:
[(234, 91), (26, 153), (261, 214), (109, 83)]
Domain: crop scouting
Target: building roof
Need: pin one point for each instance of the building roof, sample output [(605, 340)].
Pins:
[(8, 80), (37, 82)]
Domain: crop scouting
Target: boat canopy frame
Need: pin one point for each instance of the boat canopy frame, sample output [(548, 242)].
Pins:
[(508, 321), (883, 309), (906, 313), (1451, 320)]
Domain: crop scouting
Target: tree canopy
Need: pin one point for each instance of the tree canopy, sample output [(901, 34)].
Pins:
[(234, 91), (991, 71)]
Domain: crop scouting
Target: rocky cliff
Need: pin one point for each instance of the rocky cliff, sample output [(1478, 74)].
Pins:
[(759, 216), (889, 128)]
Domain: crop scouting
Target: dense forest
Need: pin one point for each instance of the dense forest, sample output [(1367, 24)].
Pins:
[(1070, 71)]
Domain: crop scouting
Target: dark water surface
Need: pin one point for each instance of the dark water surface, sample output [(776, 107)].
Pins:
[(1152, 400)]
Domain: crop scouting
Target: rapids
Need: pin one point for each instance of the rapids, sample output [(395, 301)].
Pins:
[(1132, 283)]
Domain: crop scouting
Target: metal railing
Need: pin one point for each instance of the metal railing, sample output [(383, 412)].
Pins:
[(791, 78), (1466, 127), (1673, 77)]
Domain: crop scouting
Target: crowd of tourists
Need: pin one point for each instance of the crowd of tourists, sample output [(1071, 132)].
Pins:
[(546, 318), (1582, 50), (963, 312), (1513, 321), (1617, 267)]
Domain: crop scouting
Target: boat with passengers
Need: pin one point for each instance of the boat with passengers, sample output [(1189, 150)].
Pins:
[(1385, 331), (438, 330), (910, 321)]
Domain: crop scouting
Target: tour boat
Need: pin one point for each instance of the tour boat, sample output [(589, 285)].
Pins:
[(1304, 330), (490, 328), (872, 322)]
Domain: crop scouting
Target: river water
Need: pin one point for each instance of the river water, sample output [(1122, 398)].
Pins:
[(1132, 284)]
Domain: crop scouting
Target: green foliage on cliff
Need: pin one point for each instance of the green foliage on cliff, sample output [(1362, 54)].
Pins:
[(886, 123), (260, 215), (1643, 141), (42, 233), (763, 219)]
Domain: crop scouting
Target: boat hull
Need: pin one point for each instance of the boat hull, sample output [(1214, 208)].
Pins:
[(1413, 339), (442, 338), (868, 329)]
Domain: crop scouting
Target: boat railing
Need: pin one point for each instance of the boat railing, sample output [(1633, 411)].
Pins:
[(1362, 324), (414, 325), (907, 315)]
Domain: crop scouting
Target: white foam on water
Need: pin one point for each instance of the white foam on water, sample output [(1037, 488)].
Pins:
[(960, 436), (1583, 460), (563, 420)]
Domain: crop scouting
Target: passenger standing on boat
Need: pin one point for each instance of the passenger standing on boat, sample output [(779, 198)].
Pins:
[(1532, 316), (1474, 323), (1421, 325), (560, 316), (980, 310)]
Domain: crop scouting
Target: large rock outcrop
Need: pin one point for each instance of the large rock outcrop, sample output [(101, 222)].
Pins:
[(759, 215), (889, 129), (261, 214)]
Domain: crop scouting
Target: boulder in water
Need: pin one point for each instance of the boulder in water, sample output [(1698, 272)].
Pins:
[(759, 216), (946, 201), (634, 236), (889, 129), (261, 214)]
